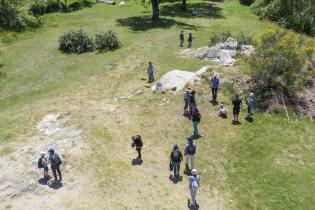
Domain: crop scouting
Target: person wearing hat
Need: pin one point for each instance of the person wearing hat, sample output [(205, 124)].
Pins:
[(186, 101), (138, 143), (55, 163), (176, 157), (194, 184), (43, 163), (190, 153), (214, 85), (250, 104)]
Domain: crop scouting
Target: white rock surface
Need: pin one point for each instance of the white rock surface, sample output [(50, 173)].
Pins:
[(223, 53), (176, 80)]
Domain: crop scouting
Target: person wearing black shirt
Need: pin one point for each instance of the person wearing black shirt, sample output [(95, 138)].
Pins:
[(237, 104), (192, 102), (181, 38), (196, 117), (176, 158), (137, 142)]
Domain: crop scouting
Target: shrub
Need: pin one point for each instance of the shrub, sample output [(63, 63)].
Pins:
[(79, 5), (219, 37), (247, 2), (277, 66), (30, 20), (75, 42), (105, 41), (53, 6), (38, 7)]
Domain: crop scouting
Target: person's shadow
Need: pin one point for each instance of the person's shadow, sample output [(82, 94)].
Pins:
[(175, 180), (55, 185), (236, 122), (192, 207), (214, 103), (44, 181), (136, 161), (249, 119)]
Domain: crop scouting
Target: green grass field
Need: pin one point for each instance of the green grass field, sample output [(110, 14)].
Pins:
[(267, 164)]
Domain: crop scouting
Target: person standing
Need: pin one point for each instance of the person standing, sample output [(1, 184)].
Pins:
[(194, 184), (55, 163), (43, 163), (237, 104), (151, 72), (190, 153), (186, 102), (176, 157), (250, 104), (190, 38), (196, 118), (138, 143), (181, 38), (214, 84), (192, 102)]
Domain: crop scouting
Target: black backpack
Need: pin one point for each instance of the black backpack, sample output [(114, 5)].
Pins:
[(40, 162), (176, 156), (191, 149), (56, 160)]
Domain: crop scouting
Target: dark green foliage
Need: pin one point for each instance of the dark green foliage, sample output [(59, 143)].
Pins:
[(53, 6), (222, 36), (105, 41), (12, 18), (75, 42), (296, 14), (277, 67), (247, 2), (80, 4), (38, 7)]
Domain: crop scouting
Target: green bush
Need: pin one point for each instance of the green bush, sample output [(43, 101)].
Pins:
[(75, 42), (298, 14), (53, 6), (105, 41), (80, 4), (38, 7), (247, 2), (219, 37), (277, 66), (30, 20)]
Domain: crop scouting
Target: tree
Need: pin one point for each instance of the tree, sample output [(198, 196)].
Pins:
[(155, 10), (184, 5), (277, 66)]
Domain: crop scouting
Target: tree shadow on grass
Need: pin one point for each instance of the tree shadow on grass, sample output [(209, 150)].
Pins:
[(144, 23), (2, 74), (204, 10)]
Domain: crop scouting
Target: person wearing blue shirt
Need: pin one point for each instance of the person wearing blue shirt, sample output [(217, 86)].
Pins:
[(186, 101), (214, 84)]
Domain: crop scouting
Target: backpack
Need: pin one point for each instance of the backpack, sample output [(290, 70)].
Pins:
[(56, 160), (40, 162), (191, 149), (194, 184), (176, 156)]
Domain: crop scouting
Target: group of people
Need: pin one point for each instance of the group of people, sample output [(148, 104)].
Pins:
[(54, 161), (182, 39)]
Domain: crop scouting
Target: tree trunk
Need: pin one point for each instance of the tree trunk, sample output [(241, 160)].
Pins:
[(155, 10), (184, 5)]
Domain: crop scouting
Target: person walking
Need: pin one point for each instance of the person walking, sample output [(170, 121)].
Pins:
[(192, 102), (196, 118), (190, 38), (138, 143), (190, 153), (186, 102), (55, 163), (194, 184), (176, 157), (43, 163), (237, 104), (151, 72), (250, 104), (181, 38), (214, 84)]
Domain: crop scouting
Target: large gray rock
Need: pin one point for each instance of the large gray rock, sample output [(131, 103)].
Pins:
[(223, 53)]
